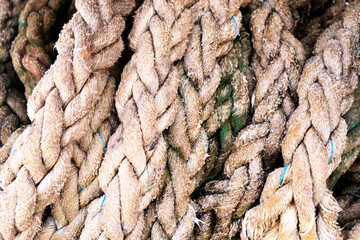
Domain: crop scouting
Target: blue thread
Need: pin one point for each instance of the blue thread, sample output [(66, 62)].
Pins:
[(20, 23), (237, 33), (206, 143), (80, 187), (12, 151), (312, 59), (238, 222), (332, 151), (102, 139), (102, 202), (358, 47), (148, 183), (283, 173), (266, 4), (351, 227)]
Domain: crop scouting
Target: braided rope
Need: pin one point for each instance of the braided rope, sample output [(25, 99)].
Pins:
[(32, 50), (210, 38), (352, 148), (132, 172), (67, 108), (12, 103), (277, 64), (315, 140)]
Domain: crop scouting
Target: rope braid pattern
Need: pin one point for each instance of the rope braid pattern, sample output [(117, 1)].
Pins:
[(211, 37), (68, 106), (352, 149), (277, 64), (315, 140), (12, 102), (132, 172), (32, 49), (231, 106)]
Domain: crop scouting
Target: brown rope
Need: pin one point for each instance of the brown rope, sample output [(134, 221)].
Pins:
[(277, 62), (131, 174), (12, 102), (210, 38), (67, 108), (32, 51), (315, 140)]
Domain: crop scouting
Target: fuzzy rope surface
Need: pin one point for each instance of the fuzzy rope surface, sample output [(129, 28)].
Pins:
[(69, 105), (314, 142)]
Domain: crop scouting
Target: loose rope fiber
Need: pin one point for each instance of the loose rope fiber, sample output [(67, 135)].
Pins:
[(302, 206), (67, 108), (32, 51), (277, 63), (12, 102)]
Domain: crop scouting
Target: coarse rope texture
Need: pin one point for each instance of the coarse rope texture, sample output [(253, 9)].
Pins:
[(277, 62), (352, 149), (295, 201), (198, 109), (68, 108), (12, 101), (148, 102), (131, 174), (32, 51)]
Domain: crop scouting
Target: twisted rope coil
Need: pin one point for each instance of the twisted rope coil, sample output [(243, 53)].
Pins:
[(67, 108), (325, 94)]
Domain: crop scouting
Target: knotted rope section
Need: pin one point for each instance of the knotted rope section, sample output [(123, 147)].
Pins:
[(314, 142), (32, 51), (277, 63), (12, 102), (68, 108)]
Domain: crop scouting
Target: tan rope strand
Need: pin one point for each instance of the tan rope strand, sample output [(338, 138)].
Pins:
[(278, 59), (316, 137), (61, 108), (187, 137), (131, 174)]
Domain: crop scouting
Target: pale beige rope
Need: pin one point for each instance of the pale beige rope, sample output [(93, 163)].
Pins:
[(12, 102), (354, 233), (132, 172), (210, 38), (69, 104), (315, 139), (277, 64)]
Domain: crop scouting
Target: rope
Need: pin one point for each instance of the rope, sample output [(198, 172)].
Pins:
[(211, 37), (12, 103), (66, 108), (312, 126), (145, 106), (32, 50), (276, 64), (352, 148)]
